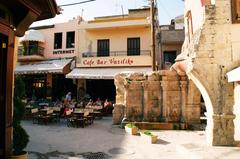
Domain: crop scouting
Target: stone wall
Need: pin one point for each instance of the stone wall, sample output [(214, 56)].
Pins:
[(210, 56), (157, 97)]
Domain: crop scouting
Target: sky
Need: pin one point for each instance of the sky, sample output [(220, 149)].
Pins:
[(168, 9)]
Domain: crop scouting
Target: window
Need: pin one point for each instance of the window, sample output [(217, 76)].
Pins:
[(2, 14), (39, 83), (70, 39), (57, 40), (235, 11), (169, 57), (189, 25), (32, 48), (133, 46), (103, 47)]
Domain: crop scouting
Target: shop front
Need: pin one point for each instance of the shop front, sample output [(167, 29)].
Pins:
[(46, 79), (94, 83)]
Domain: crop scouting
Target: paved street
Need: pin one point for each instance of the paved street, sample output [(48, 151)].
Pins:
[(104, 140)]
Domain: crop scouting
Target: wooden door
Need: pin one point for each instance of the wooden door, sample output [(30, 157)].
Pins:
[(6, 89)]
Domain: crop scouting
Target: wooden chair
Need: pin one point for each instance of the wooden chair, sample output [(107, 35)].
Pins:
[(56, 114), (88, 118), (46, 118), (35, 115)]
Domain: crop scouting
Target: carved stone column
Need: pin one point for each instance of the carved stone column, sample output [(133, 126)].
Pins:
[(183, 85), (120, 90), (171, 95), (134, 100), (223, 130), (193, 105), (152, 98)]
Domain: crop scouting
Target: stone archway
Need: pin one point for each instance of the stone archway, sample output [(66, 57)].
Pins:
[(220, 126), (218, 97), (208, 104)]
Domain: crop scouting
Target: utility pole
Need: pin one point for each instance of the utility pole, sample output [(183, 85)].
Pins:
[(153, 51)]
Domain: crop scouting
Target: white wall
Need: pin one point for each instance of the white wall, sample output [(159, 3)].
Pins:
[(198, 14), (49, 39)]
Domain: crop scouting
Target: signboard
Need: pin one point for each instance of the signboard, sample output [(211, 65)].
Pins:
[(115, 61), (63, 52)]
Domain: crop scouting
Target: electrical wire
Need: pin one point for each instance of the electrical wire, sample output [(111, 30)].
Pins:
[(166, 11), (71, 4)]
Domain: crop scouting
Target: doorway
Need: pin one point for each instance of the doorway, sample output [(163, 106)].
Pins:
[(3, 73), (103, 89)]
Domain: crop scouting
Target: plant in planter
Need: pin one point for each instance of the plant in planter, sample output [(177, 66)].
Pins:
[(20, 136), (131, 129), (149, 136)]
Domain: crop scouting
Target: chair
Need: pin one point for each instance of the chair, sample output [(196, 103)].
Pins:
[(35, 115), (56, 114), (45, 118), (88, 118)]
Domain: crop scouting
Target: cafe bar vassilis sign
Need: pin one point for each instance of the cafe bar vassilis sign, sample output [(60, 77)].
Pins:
[(113, 61)]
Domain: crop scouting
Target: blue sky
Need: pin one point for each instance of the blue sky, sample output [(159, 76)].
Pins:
[(168, 9)]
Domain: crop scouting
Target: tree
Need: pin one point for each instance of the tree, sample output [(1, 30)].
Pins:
[(20, 136)]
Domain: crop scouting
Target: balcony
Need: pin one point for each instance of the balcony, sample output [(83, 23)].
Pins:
[(115, 59), (116, 53), (30, 53)]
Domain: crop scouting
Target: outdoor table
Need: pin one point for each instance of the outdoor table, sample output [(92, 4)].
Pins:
[(97, 114), (44, 109), (78, 113)]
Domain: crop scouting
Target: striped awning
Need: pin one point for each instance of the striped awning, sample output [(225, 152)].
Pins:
[(47, 66)]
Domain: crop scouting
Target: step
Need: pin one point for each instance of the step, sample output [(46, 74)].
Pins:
[(159, 125)]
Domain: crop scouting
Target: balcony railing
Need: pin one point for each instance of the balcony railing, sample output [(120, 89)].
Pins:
[(116, 53), (30, 50)]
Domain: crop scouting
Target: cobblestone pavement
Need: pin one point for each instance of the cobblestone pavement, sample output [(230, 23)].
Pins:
[(102, 140)]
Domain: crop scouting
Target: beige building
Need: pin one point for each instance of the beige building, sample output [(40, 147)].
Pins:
[(109, 45), (45, 55), (210, 51)]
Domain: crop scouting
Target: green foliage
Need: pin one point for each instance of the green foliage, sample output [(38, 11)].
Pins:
[(20, 137), (19, 88), (147, 132), (131, 125), (19, 111)]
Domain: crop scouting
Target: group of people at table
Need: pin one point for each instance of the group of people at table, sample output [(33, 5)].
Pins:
[(105, 107), (69, 106)]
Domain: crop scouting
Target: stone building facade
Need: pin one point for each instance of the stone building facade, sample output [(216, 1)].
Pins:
[(210, 50), (170, 40), (162, 96)]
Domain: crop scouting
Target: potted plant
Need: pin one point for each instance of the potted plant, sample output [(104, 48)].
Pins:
[(149, 136), (20, 136), (131, 128)]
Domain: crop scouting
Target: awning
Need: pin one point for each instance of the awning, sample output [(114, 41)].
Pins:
[(48, 66), (103, 73), (234, 75), (32, 35)]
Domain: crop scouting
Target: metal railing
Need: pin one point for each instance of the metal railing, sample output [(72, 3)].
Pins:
[(30, 50), (116, 53)]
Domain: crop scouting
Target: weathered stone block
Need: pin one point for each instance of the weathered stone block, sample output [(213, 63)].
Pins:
[(118, 113)]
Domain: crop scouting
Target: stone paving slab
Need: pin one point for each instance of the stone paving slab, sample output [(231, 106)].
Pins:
[(57, 141)]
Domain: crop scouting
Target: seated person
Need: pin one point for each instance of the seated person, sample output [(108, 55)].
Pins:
[(108, 107), (90, 103), (98, 102)]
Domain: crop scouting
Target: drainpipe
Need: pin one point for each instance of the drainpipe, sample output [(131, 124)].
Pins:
[(142, 101)]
